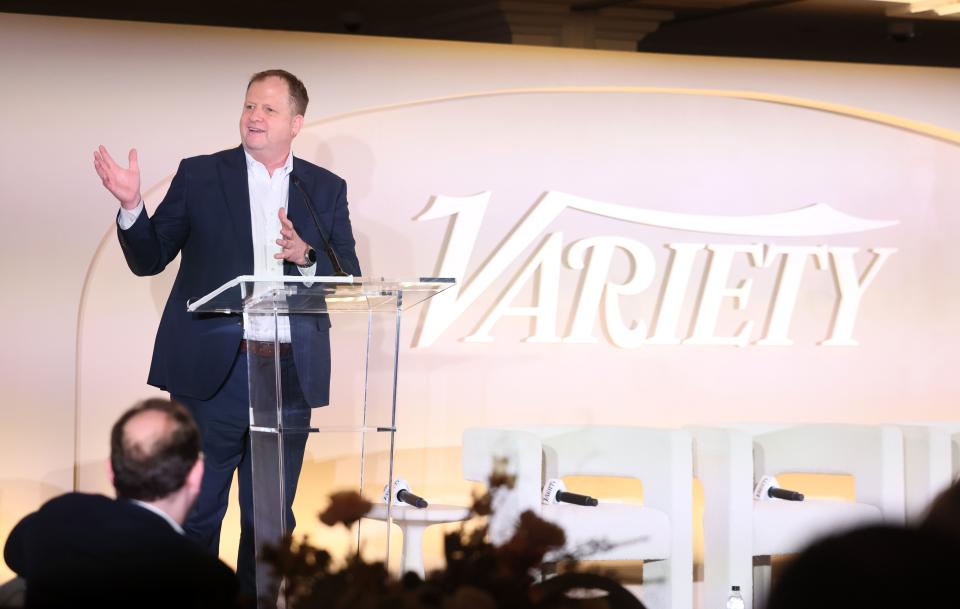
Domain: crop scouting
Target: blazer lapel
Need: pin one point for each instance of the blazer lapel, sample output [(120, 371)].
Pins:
[(233, 179)]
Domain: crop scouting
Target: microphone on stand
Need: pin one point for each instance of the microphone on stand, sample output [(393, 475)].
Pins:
[(337, 269), (555, 491), (402, 494), (767, 489)]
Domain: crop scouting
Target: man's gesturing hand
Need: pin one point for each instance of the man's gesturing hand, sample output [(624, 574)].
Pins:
[(294, 248), (123, 183)]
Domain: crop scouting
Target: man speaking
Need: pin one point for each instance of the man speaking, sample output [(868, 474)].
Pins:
[(237, 212)]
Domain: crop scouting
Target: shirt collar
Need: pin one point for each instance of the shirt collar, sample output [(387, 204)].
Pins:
[(176, 525), (252, 162)]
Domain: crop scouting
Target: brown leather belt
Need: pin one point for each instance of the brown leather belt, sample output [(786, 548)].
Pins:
[(264, 348)]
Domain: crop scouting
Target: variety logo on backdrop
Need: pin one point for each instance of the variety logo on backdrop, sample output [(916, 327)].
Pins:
[(600, 296)]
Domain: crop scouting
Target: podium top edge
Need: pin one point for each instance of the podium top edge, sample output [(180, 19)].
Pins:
[(313, 280), (348, 279)]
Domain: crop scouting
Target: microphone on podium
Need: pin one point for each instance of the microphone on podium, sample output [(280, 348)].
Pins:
[(332, 255), (402, 494), (768, 488), (555, 491)]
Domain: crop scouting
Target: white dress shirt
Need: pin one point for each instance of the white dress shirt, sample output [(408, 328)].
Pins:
[(268, 194), (173, 523)]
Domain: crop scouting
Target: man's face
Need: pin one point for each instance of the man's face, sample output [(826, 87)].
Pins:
[(268, 123)]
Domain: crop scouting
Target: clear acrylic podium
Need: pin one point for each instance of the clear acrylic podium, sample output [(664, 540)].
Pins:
[(287, 324)]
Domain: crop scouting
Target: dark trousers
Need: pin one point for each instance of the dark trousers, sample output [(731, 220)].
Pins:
[(224, 422)]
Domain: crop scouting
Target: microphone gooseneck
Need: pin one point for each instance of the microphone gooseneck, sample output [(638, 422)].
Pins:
[(337, 269)]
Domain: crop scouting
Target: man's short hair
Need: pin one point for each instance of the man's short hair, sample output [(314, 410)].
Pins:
[(298, 92), (153, 471)]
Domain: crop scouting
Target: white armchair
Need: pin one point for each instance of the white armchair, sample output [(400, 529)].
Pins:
[(728, 462), (931, 454), (523, 452), (658, 532)]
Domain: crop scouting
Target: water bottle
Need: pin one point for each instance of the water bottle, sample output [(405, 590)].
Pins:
[(735, 600)]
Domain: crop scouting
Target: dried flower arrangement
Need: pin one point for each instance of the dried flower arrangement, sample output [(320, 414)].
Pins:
[(478, 574)]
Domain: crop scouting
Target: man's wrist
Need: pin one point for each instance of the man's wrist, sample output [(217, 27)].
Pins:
[(128, 217), (131, 205), (309, 257)]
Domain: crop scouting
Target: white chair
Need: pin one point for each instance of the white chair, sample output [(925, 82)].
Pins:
[(523, 454), (729, 461), (659, 532), (931, 453)]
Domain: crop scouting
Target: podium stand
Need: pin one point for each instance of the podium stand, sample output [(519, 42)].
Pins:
[(287, 322)]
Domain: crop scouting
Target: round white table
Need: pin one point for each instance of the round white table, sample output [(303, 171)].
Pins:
[(412, 522)]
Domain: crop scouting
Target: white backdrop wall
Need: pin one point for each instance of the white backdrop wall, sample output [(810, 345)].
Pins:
[(644, 209)]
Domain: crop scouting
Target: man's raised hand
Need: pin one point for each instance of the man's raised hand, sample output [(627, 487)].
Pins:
[(123, 183), (294, 248)]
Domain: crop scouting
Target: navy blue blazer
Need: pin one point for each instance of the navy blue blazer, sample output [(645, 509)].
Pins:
[(205, 217)]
